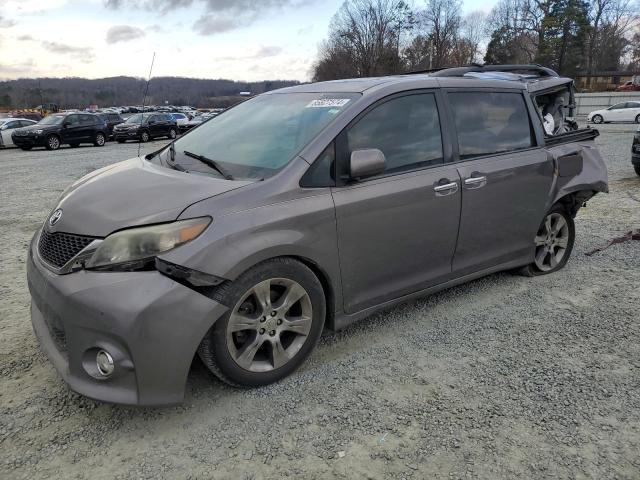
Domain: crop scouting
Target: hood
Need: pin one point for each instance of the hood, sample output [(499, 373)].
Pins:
[(37, 126), (131, 193)]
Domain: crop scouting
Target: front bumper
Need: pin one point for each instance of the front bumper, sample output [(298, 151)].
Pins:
[(126, 135), (150, 324), (30, 141)]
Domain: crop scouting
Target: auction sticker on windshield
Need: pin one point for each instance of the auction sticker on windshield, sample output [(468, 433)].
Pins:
[(328, 102)]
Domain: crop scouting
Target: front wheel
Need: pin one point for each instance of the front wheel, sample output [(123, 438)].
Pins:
[(638, 119), (53, 142), (100, 140), (277, 311), (172, 134), (553, 243), (597, 119), (144, 137)]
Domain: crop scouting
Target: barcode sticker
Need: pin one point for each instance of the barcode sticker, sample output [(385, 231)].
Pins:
[(328, 103)]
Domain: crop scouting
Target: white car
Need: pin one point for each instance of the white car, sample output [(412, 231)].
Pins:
[(620, 112), (8, 125), (180, 118)]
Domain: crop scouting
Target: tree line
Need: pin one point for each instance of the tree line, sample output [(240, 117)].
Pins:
[(118, 91), (380, 37)]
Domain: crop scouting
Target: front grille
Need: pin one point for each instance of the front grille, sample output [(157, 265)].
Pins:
[(58, 248)]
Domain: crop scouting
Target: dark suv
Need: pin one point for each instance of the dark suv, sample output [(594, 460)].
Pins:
[(55, 130), (146, 126), (111, 119)]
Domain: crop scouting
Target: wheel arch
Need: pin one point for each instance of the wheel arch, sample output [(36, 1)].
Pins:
[(573, 200)]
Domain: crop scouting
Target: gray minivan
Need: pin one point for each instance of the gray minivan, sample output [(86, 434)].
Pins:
[(301, 209)]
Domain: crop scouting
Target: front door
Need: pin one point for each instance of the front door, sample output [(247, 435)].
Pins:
[(396, 231), (505, 178), (71, 131)]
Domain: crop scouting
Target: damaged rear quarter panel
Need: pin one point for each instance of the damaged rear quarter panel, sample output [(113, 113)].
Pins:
[(570, 178)]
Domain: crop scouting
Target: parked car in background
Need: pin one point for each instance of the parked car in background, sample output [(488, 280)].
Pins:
[(302, 209), (62, 128), (194, 122), (630, 86), (8, 125), (111, 119), (620, 112), (28, 115), (180, 118), (635, 151), (146, 126)]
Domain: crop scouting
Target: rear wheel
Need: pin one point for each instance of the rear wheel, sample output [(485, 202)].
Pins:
[(275, 321), (638, 119), (53, 142), (172, 133), (553, 243), (100, 140), (597, 119)]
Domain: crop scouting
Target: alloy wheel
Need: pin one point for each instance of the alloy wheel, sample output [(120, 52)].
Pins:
[(597, 119), (54, 142), (172, 133), (269, 325), (100, 140), (551, 242)]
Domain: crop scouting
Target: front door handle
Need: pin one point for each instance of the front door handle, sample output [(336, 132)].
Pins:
[(446, 189), (475, 182)]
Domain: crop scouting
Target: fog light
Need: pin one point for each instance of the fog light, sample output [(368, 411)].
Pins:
[(104, 362)]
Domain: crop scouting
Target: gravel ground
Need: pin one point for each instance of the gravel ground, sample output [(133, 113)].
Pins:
[(505, 377)]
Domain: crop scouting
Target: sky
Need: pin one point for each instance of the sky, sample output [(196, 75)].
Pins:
[(234, 39)]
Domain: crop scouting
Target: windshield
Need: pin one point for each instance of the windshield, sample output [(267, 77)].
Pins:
[(260, 136), (137, 118), (52, 120)]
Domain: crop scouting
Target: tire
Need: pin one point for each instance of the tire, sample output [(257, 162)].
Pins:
[(597, 119), (223, 349), (172, 134), (74, 145), (560, 242), (100, 139), (144, 137), (120, 140), (26, 148), (638, 119), (53, 142), (637, 169)]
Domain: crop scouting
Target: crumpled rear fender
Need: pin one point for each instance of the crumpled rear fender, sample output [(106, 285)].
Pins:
[(579, 167)]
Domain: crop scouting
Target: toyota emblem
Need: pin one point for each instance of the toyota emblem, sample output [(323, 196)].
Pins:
[(55, 217)]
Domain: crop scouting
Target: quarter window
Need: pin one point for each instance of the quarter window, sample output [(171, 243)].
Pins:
[(406, 129), (490, 122)]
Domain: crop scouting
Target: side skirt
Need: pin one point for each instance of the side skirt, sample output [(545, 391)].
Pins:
[(343, 320)]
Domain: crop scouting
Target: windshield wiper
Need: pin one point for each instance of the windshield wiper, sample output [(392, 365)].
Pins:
[(209, 162)]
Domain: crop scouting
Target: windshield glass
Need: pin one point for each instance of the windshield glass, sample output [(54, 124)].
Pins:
[(137, 118), (52, 120), (260, 136)]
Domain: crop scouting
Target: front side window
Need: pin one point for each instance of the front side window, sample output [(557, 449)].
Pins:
[(618, 106), (490, 122), (52, 120), (406, 129)]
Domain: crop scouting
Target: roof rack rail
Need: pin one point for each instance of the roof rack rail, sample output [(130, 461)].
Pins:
[(529, 69)]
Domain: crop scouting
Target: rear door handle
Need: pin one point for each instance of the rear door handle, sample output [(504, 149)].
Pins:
[(446, 189), (475, 182)]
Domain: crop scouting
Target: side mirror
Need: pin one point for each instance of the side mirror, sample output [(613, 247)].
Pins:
[(66, 124), (365, 163)]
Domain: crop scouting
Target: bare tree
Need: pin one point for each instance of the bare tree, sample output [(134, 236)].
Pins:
[(367, 34)]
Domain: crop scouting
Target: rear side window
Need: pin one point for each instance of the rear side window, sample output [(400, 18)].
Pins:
[(406, 129), (490, 122)]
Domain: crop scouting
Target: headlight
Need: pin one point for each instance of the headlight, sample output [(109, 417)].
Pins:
[(38, 132), (137, 244)]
